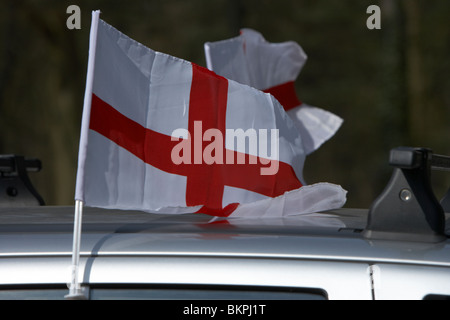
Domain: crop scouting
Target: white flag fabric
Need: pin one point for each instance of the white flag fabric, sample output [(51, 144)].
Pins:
[(273, 68), (161, 134)]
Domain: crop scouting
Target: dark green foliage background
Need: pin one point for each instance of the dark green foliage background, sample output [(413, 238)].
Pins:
[(391, 86)]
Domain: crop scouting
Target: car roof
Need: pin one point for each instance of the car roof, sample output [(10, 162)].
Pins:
[(332, 235)]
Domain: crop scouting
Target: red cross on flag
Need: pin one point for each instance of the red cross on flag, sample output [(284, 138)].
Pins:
[(164, 135), (273, 68)]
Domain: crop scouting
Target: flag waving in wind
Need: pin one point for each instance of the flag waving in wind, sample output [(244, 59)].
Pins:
[(273, 68), (164, 135)]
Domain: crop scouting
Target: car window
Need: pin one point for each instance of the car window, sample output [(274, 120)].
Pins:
[(437, 297), (171, 293), (223, 293), (32, 294)]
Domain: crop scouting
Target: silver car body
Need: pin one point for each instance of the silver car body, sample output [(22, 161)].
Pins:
[(323, 253)]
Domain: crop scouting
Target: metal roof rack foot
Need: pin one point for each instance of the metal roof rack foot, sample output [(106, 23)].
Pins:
[(16, 188), (407, 209)]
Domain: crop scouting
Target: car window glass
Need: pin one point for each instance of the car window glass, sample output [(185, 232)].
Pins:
[(33, 294), (200, 294), (172, 293)]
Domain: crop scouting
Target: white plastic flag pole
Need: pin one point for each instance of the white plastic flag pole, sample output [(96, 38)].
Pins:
[(75, 288)]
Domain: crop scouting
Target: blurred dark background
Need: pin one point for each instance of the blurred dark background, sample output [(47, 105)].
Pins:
[(391, 86)]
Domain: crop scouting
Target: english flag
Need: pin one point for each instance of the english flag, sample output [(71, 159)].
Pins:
[(273, 68), (161, 134)]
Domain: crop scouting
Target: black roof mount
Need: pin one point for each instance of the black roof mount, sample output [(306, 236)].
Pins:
[(407, 209), (445, 202), (16, 188)]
